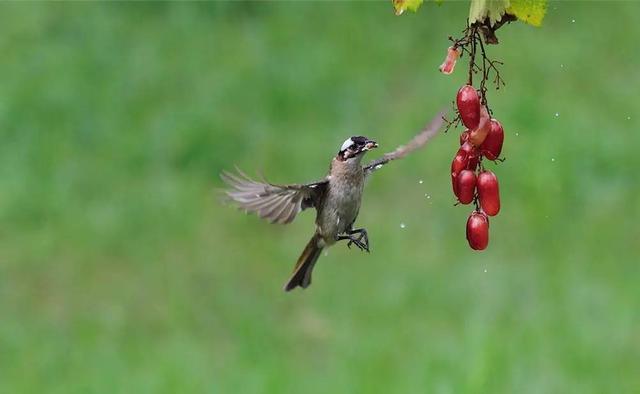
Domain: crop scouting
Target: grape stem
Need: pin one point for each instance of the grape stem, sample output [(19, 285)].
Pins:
[(455, 121), (469, 43)]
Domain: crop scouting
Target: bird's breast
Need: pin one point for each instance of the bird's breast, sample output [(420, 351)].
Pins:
[(341, 205)]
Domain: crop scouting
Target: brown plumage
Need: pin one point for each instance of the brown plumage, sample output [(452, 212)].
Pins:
[(301, 275), (276, 203)]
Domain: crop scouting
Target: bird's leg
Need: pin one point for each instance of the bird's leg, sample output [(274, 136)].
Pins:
[(361, 240), (354, 240)]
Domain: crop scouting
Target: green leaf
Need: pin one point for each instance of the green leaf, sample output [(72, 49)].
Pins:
[(483, 9), (401, 5), (528, 11)]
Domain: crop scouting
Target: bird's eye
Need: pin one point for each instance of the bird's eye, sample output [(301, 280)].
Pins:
[(353, 147)]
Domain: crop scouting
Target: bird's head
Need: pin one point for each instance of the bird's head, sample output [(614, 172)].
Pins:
[(355, 147)]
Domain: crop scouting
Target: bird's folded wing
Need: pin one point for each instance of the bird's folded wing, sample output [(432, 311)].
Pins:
[(417, 142), (276, 203)]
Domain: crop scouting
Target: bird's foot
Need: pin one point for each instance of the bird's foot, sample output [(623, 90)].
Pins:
[(361, 245), (361, 240), (354, 240)]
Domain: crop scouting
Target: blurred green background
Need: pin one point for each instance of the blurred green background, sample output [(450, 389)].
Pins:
[(121, 271)]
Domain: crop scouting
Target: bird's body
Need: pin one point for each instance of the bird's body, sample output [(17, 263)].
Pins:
[(336, 198), (341, 204), (336, 211)]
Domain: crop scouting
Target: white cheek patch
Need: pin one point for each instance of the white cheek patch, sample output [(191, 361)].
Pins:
[(346, 144)]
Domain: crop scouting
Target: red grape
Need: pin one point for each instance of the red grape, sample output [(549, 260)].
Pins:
[(478, 230), (492, 145), (474, 160), (478, 135), (488, 193), (454, 184), (468, 149), (466, 182), (468, 106), (460, 162), (473, 155), (464, 137)]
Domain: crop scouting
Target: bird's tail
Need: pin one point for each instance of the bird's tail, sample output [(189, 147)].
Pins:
[(302, 271)]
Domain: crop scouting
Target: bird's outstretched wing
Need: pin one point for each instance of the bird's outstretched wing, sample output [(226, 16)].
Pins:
[(276, 203), (417, 142)]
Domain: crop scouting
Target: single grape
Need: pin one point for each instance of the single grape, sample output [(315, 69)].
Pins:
[(468, 106), (460, 162), (478, 135), (466, 181), (489, 193), (454, 184), (478, 230), (492, 145)]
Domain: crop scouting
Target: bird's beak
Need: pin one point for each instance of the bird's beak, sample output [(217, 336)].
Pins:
[(370, 145)]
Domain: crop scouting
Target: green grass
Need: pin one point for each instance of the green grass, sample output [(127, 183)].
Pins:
[(120, 271)]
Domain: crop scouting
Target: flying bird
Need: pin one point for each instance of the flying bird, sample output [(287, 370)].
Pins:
[(336, 198)]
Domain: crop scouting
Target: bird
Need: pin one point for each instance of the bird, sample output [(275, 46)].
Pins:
[(336, 197)]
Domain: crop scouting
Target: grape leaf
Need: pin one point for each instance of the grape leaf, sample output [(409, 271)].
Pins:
[(401, 5), (483, 9), (528, 11)]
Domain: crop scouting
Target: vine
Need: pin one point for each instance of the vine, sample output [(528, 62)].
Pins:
[(483, 135)]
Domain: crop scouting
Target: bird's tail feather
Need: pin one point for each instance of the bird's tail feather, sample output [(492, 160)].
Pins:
[(302, 271)]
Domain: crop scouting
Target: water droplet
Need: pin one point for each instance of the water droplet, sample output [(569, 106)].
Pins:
[(420, 181), (517, 134), (552, 159), (557, 114), (402, 225), (562, 66), (427, 196), (628, 117), (326, 253), (573, 21), (485, 270)]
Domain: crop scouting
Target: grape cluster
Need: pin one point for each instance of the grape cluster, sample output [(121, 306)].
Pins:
[(482, 138)]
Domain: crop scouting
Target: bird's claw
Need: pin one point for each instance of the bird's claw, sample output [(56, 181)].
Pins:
[(359, 242)]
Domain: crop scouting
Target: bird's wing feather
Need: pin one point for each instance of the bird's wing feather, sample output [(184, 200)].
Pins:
[(276, 203), (428, 132)]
